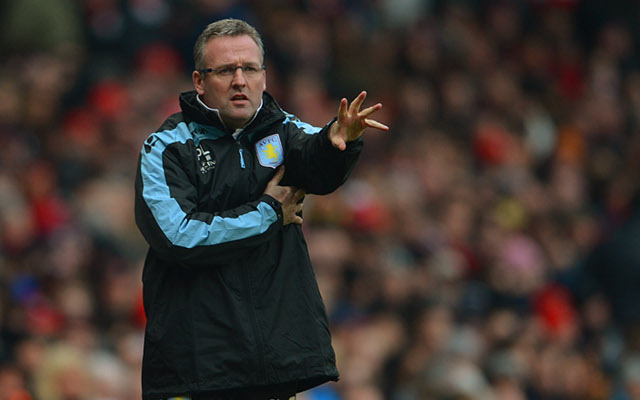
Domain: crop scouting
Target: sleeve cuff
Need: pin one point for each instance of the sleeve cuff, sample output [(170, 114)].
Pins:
[(353, 146), (275, 204)]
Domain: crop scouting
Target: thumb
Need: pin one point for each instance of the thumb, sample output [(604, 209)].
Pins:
[(277, 177), (336, 139), (336, 135), (338, 143)]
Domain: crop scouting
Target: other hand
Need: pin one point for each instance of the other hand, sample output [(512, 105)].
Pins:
[(352, 122)]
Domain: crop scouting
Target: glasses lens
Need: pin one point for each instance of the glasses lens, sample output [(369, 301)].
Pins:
[(249, 70), (226, 71)]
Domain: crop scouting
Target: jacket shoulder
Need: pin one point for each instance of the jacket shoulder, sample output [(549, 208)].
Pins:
[(307, 128), (174, 129)]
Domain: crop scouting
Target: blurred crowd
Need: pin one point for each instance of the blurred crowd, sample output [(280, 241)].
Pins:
[(486, 247)]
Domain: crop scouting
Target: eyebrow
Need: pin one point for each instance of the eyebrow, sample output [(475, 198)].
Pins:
[(250, 63)]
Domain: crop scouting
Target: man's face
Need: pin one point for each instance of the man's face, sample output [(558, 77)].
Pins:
[(238, 95)]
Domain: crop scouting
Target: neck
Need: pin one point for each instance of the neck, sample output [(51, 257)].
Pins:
[(227, 124)]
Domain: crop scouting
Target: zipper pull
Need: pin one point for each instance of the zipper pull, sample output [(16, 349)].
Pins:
[(241, 158)]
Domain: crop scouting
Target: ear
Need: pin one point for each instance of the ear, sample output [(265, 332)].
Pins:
[(198, 82), (264, 82)]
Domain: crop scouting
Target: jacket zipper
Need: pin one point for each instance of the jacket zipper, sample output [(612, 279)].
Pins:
[(242, 165), (255, 326)]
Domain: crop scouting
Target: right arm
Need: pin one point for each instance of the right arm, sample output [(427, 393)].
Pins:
[(167, 214)]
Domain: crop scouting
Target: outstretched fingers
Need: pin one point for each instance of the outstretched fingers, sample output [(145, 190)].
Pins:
[(375, 124), (357, 102), (370, 110), (342, 109), (369, 122), (352, 122)]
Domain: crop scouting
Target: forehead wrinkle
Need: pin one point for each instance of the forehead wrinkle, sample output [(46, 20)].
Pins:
[(232, 50)]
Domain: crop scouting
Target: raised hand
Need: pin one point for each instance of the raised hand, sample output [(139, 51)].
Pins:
[(352, 122)]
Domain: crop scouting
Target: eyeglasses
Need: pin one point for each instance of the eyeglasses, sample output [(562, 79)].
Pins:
[(226, 71)]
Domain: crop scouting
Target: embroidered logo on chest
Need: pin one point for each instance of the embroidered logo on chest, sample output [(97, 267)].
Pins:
[(269, 151), (207, 160)]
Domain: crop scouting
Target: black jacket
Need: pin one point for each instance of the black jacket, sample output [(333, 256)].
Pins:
[(229, 293)]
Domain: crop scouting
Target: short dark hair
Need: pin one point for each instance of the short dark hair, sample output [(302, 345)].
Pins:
[(224, 27)]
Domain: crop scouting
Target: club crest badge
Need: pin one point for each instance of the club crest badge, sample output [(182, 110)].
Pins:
[(269, 150)]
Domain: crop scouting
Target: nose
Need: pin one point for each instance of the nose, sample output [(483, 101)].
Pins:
[(238, 78)]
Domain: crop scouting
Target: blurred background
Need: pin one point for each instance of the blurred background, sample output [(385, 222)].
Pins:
[(487, 247)]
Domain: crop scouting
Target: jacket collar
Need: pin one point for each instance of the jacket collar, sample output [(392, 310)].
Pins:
[(268, 113), (217, 112)]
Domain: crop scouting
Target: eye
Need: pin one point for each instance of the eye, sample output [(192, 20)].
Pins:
[(250, 69), (227, 71)]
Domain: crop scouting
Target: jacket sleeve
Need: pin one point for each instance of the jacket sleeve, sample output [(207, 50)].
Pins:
[(167, 215), (311, 161)]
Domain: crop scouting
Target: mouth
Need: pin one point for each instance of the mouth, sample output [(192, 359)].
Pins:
[(239, 97)]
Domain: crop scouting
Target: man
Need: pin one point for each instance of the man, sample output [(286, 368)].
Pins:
[(233, 308)]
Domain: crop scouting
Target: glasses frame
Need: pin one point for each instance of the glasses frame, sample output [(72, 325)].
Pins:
[(216, 71)]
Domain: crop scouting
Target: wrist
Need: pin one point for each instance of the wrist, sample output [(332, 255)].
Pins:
[(274, 203)]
